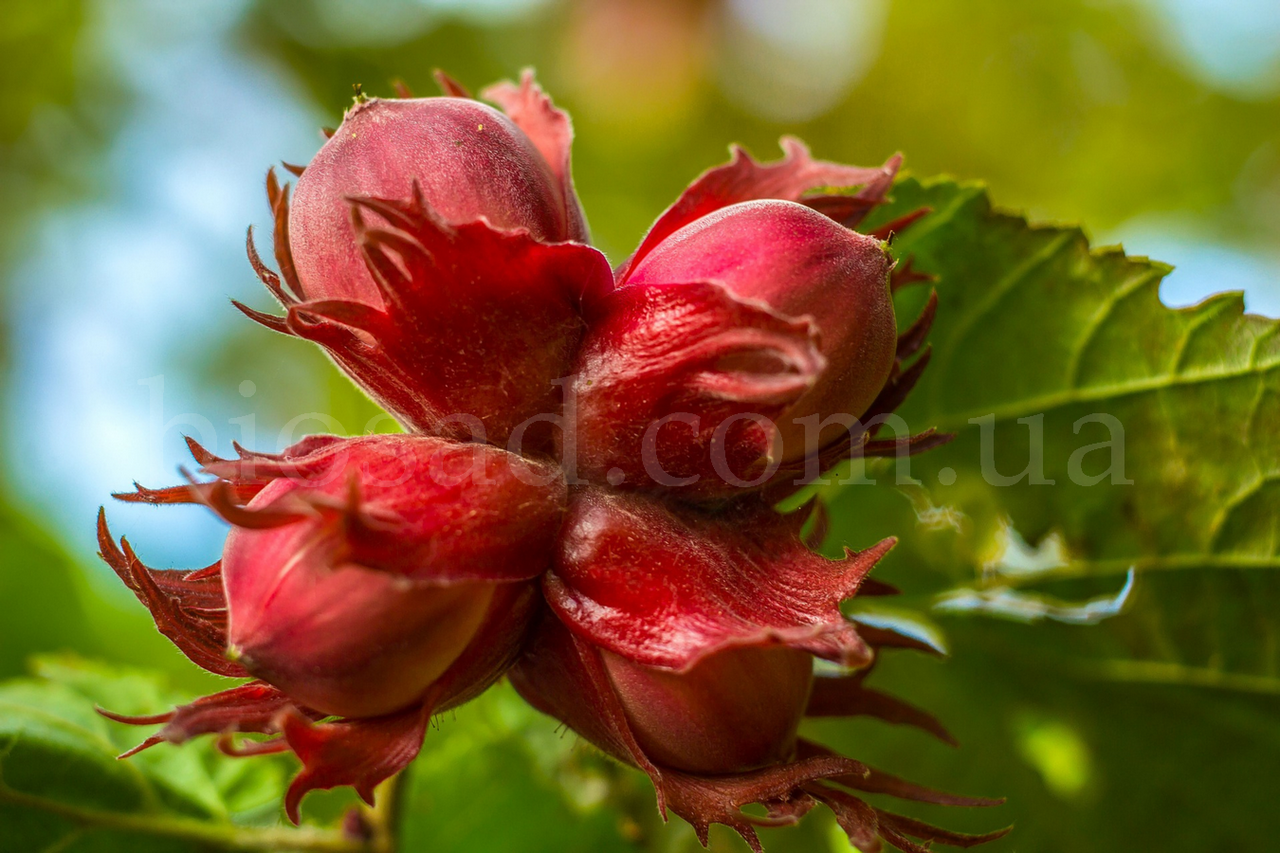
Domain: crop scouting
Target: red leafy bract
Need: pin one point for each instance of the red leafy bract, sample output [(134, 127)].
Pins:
[(679, 387), (849, 697), (421, 507), (360, 753), (789, 179), (188, 606), (251, 707), (475, 325), (666, 589)]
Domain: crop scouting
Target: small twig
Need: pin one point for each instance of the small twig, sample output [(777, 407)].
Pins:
[(220, 836), (224, 836), (384, 817)]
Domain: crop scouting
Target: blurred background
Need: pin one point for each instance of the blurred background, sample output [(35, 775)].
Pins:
[(133, 145)]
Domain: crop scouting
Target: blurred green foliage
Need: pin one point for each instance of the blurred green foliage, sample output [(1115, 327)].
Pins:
[(39, 39), (36, 571), (1072, 110), (58, 112), (1131, 735), (62, 788)]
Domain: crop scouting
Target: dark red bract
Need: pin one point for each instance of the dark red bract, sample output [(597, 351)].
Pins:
[(584, 498)]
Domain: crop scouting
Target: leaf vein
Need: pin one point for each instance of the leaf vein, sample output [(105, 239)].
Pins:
[(1098, 320), (1070, 396), (964, 325)]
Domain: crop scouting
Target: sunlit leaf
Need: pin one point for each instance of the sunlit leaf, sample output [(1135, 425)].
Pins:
[(1091, 731), (63, 788), (1037, 334)]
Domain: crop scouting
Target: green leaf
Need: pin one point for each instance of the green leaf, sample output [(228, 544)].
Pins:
[(196, 771), (38, 582), (1087, 766), (1148, 730), (62, 787), (1033, 324)]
